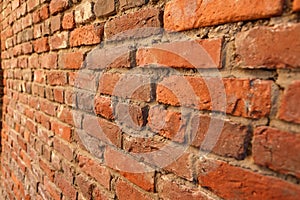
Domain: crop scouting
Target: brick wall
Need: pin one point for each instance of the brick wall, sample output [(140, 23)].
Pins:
[(159, 99)]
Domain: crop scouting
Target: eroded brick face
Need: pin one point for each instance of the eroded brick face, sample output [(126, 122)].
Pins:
[(138, 99)]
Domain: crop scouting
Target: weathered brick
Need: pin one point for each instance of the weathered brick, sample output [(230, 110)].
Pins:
[(132, 116), (55, 23), (125, 190), (89, 166), (83, 12), (182, 15), (32, 4), (58, 6), (102, 129), (194, 92), (56, 78), (231, 140), (103, 107), (277, 150), (118, 160), (41, 45), (110, 58), (66, 187), (59, 41), (127, 86), (265, 47), (72, 60), (231, 182), (289, 109), (131, 24), (48, 61), (61, 130), (68, 21), (204, 54), (126, 4), (104, 8), (169, 189), (167, 123), (87, 35)]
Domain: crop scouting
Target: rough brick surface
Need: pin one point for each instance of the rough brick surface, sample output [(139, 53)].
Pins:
[(182, 15), (264, 47), (194, 92), (104, 8), (289, 109), (103, 99), (87, 35), (58, 5), (171, 55), (277, 150), (169, 189), (231, 182), (126, 4), (129, 25)]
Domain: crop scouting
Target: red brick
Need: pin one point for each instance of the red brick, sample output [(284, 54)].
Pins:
[(193, 92), (72, 60), (182, 15), (56, 78), (289, 109), (127, 86), (62, 130), (119, 159), (132, 23), (64, 149), (102, 129), (132, 116), (126, 191), (48, 61), (182, 166), (270, 47), (68, 21), (44, 12), (103, 107), (66, 187), (232, 140), (59, 41), (143, 180), (58, 95), (277, 150), (32, 4), (52, 190), (86, 35), (204, 54), (55, 23), (47, 169), (110, 58), (26, 21), (48, 107), (296, 5), (41, 45), (126, 4), (169, 124), (169, 189), (99, 193), (85, 185), (104, 8), (58, 6), (90, 166), (230, 182), (66, 115)]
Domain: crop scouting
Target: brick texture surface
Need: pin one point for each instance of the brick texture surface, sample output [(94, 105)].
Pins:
[(139, 99)]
